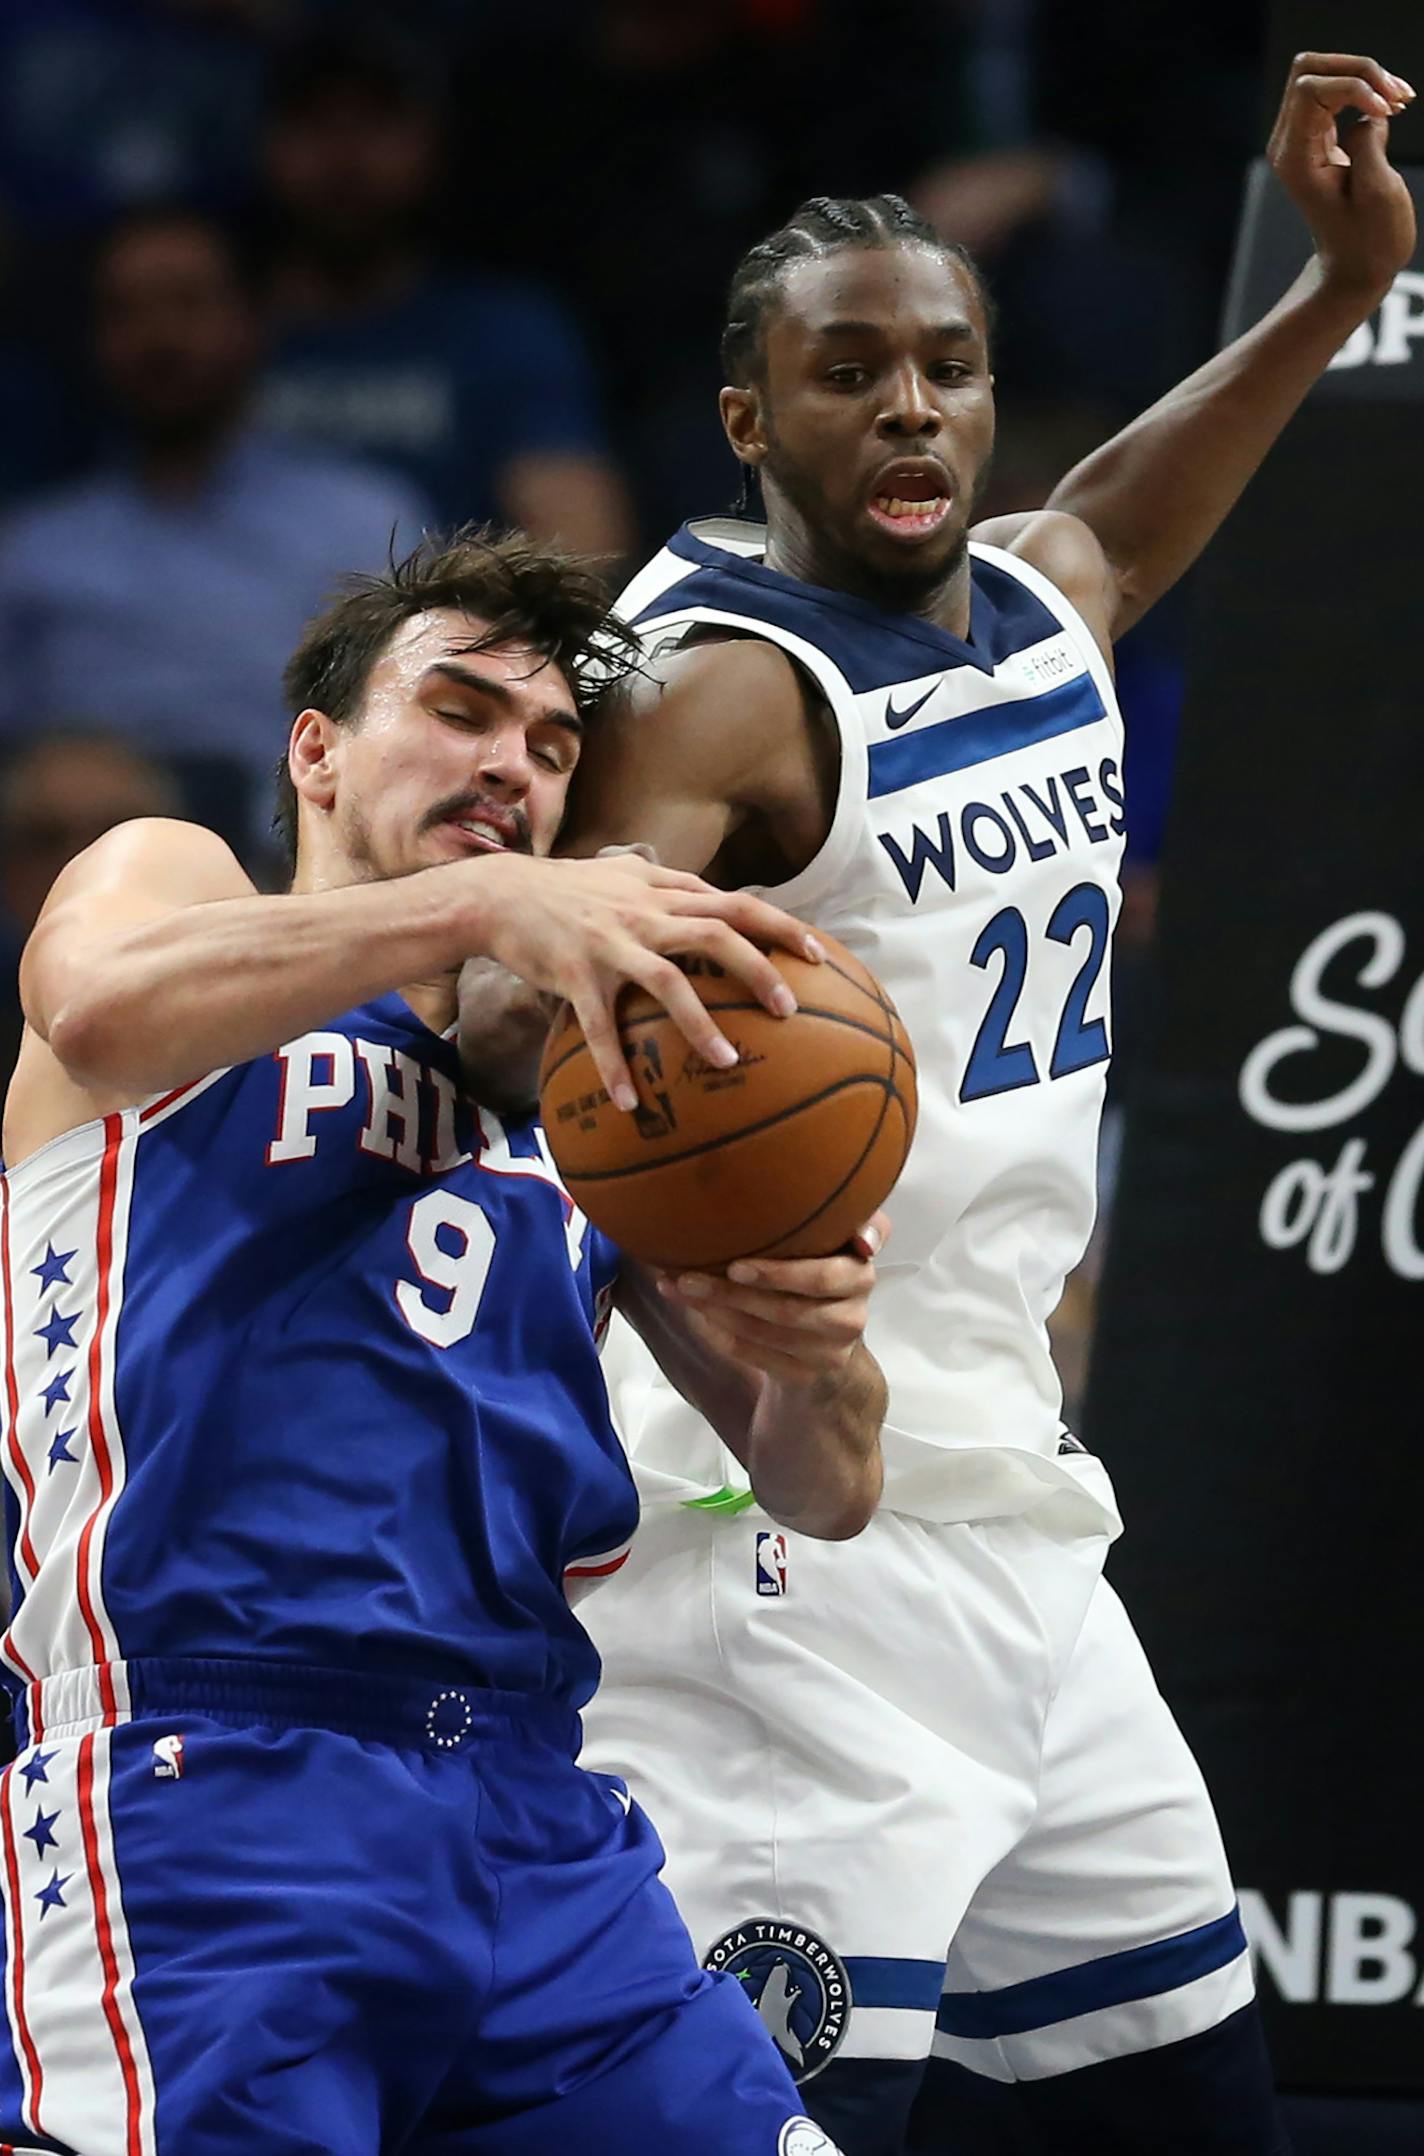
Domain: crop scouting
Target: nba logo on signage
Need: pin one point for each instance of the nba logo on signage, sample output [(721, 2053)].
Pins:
[(771, 1562)]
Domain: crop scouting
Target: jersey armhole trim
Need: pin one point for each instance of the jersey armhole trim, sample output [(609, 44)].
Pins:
[(1062, 609)]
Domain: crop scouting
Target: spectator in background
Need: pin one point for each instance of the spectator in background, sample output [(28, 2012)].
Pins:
[(476, 387), (56, 797), (161, 595)]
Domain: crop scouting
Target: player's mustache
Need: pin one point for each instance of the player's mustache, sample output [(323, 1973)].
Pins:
[(457, 807)]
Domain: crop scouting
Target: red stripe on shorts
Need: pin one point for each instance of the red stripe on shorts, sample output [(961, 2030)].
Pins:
[(109, 1960)]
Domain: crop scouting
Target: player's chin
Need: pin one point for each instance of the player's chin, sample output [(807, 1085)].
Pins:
[(914, 564)]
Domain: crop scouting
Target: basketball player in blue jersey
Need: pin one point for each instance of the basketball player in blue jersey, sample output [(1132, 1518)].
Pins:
[(921, 1791), (308, 1454)]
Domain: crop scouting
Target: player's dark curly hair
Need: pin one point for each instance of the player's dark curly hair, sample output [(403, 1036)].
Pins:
[(522, 592), (821, 226)]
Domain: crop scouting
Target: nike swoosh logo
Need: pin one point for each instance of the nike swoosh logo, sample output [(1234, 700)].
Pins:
[(895, 717)]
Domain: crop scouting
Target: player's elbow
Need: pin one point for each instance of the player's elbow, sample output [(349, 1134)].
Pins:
[(841, 1512), (857, 1509), (84, 1031)]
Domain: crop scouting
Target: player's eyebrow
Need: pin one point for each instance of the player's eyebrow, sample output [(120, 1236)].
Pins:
[(500, 693)]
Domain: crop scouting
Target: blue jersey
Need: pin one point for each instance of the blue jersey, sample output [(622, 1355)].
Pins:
[(300, 1364)]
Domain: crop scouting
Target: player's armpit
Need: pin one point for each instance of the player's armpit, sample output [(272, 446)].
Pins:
[(709, 738), (1063, 548)]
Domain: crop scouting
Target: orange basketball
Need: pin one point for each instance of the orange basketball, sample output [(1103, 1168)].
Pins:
[(785, 1155)]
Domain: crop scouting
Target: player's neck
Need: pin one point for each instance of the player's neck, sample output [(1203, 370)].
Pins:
[(793, 551)]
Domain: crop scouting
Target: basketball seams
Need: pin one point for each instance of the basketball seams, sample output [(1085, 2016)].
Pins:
[(723, 1139), (770, 1249), (803, 1010), (888, 1094), (789, 1143)]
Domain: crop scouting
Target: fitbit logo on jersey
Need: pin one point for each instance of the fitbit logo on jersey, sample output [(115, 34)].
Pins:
[(1336, 1949), (1309, 1077)]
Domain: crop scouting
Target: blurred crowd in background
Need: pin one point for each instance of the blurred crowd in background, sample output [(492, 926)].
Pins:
[(287, 281)]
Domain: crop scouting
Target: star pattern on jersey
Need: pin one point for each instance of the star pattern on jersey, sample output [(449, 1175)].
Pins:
[(52, 1272), (56, 1390), (34, 1770), (41, 1833), (59, 1449), (49, 1896), (57, 1331)]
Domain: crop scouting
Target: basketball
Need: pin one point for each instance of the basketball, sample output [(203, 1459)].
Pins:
[(783, 1156)]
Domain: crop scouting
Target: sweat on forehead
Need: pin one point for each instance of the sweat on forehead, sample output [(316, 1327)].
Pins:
[(457, 647)]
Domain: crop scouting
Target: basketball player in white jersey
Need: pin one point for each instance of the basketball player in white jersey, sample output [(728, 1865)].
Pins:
[(920, 1791)]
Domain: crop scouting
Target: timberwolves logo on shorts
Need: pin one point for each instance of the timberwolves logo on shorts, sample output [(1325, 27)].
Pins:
[(797, 1985)]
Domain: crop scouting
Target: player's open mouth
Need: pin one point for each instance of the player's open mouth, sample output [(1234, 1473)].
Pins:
[(911, 501), (484, 837)]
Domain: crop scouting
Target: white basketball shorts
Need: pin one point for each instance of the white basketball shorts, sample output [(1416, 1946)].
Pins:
[(918, 1790)]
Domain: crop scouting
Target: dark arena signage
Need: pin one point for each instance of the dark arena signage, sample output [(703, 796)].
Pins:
[(1258, 1379)]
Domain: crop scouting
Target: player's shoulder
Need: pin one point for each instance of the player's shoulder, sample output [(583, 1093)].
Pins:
[(161, 856), (718, 693), (1065, 552), (1053, 541)]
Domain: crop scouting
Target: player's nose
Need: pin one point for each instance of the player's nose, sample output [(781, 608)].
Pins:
[(909, 407), (505, 764)]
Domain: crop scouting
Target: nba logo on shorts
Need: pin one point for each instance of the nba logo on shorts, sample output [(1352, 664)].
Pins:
[(771, 1562), (168, 1759)]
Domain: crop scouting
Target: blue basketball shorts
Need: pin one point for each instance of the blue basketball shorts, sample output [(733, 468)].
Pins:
[(254, 1908)]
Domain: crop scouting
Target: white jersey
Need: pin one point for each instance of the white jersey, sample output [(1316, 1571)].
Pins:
[(972, 863)]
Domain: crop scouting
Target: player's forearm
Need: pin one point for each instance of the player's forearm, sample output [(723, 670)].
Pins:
[(504, 1024), (1155, 494), (166, 1000), (813, 1451)]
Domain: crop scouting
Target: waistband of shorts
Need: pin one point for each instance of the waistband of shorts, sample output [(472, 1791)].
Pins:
[(434, 1714)]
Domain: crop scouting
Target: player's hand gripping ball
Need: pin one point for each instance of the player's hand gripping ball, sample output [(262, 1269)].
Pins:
[(783, 1156)]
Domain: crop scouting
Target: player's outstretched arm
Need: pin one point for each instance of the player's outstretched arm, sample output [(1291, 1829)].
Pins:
[(155, 961), (773, 1355), (1156, 493)]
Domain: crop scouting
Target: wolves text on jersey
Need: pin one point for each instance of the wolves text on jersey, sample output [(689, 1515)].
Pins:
[(1029, 823)]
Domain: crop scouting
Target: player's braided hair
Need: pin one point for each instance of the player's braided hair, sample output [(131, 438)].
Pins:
[(522, 592), (821, 226)]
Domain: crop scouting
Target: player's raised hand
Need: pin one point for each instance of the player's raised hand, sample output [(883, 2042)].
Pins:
[(798, 1320), (1359, 210), (584, 929)]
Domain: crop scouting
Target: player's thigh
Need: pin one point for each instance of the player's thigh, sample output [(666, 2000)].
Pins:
[(832, 1767), (705, 2082), (193, 1955), (1111, 1929)]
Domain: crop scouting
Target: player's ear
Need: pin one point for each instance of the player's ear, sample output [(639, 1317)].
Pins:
[(309, 757), (742, 422)]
